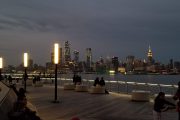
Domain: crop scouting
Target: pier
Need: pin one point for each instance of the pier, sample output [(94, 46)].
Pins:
[(87, 106)]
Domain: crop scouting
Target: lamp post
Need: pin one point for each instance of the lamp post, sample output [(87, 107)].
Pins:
[(1, 66), (25, 69), (56, 61)]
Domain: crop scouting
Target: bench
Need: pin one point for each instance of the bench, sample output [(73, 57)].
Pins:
[(140, 95), (69, 86), (81, 88), (97, 90)]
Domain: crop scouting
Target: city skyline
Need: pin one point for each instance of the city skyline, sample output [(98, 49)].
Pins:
[(109, 28)]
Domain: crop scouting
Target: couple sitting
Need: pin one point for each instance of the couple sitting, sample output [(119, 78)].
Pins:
[(101, 83)]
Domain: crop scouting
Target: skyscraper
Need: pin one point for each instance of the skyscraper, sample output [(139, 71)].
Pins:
[(88, 58), (67, 53), (150, 56), (115, 63), (76, 56), (130, 63)]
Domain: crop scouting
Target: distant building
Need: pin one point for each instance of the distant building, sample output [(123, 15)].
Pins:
[(31, 63), (139, 65), (150, 59), (177, 65), (115, 63), (130, 63), (100, 66), (67, 53), (88, 58), (122, 70), (76, 56), (171, 65)]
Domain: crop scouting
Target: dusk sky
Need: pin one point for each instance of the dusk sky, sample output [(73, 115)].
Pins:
[(110, 27)]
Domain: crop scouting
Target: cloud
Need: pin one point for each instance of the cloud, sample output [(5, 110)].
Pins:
[(123, 26)]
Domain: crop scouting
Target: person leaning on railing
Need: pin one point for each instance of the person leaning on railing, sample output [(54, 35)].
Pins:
[(159, 106)]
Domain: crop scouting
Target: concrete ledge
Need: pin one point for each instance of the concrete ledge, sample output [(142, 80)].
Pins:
[(81, 88), (140, 95), (97, 90), (69, 86)]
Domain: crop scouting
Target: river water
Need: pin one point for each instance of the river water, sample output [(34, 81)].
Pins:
[(155, 79)]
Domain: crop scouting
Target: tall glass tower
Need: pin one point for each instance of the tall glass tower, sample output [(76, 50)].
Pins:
[(67, 53), (88, 57)]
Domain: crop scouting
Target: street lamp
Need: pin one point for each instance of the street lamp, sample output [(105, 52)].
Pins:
[(25, 67), (1, 66), (56, 61)]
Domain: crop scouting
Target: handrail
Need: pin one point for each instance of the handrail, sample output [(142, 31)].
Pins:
[(127, 85)]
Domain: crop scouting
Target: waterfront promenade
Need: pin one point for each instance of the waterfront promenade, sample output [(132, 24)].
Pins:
[(87, 106)]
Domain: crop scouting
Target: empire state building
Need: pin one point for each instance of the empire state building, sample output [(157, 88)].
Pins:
[(150, 59)]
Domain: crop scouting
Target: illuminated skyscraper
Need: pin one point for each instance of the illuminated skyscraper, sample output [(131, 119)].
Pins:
[(150, 56), (88, 57), (67, 53)]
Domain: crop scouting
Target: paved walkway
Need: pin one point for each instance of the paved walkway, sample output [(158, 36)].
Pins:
[(90, 106)]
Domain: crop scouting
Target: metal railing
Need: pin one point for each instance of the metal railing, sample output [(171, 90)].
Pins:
[(114, 86)]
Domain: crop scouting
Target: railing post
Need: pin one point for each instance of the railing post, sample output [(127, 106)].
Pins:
[(118, 85), (127, 87), (159, 87)]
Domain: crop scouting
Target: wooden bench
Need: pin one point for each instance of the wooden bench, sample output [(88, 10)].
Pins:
[(140, 95)]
